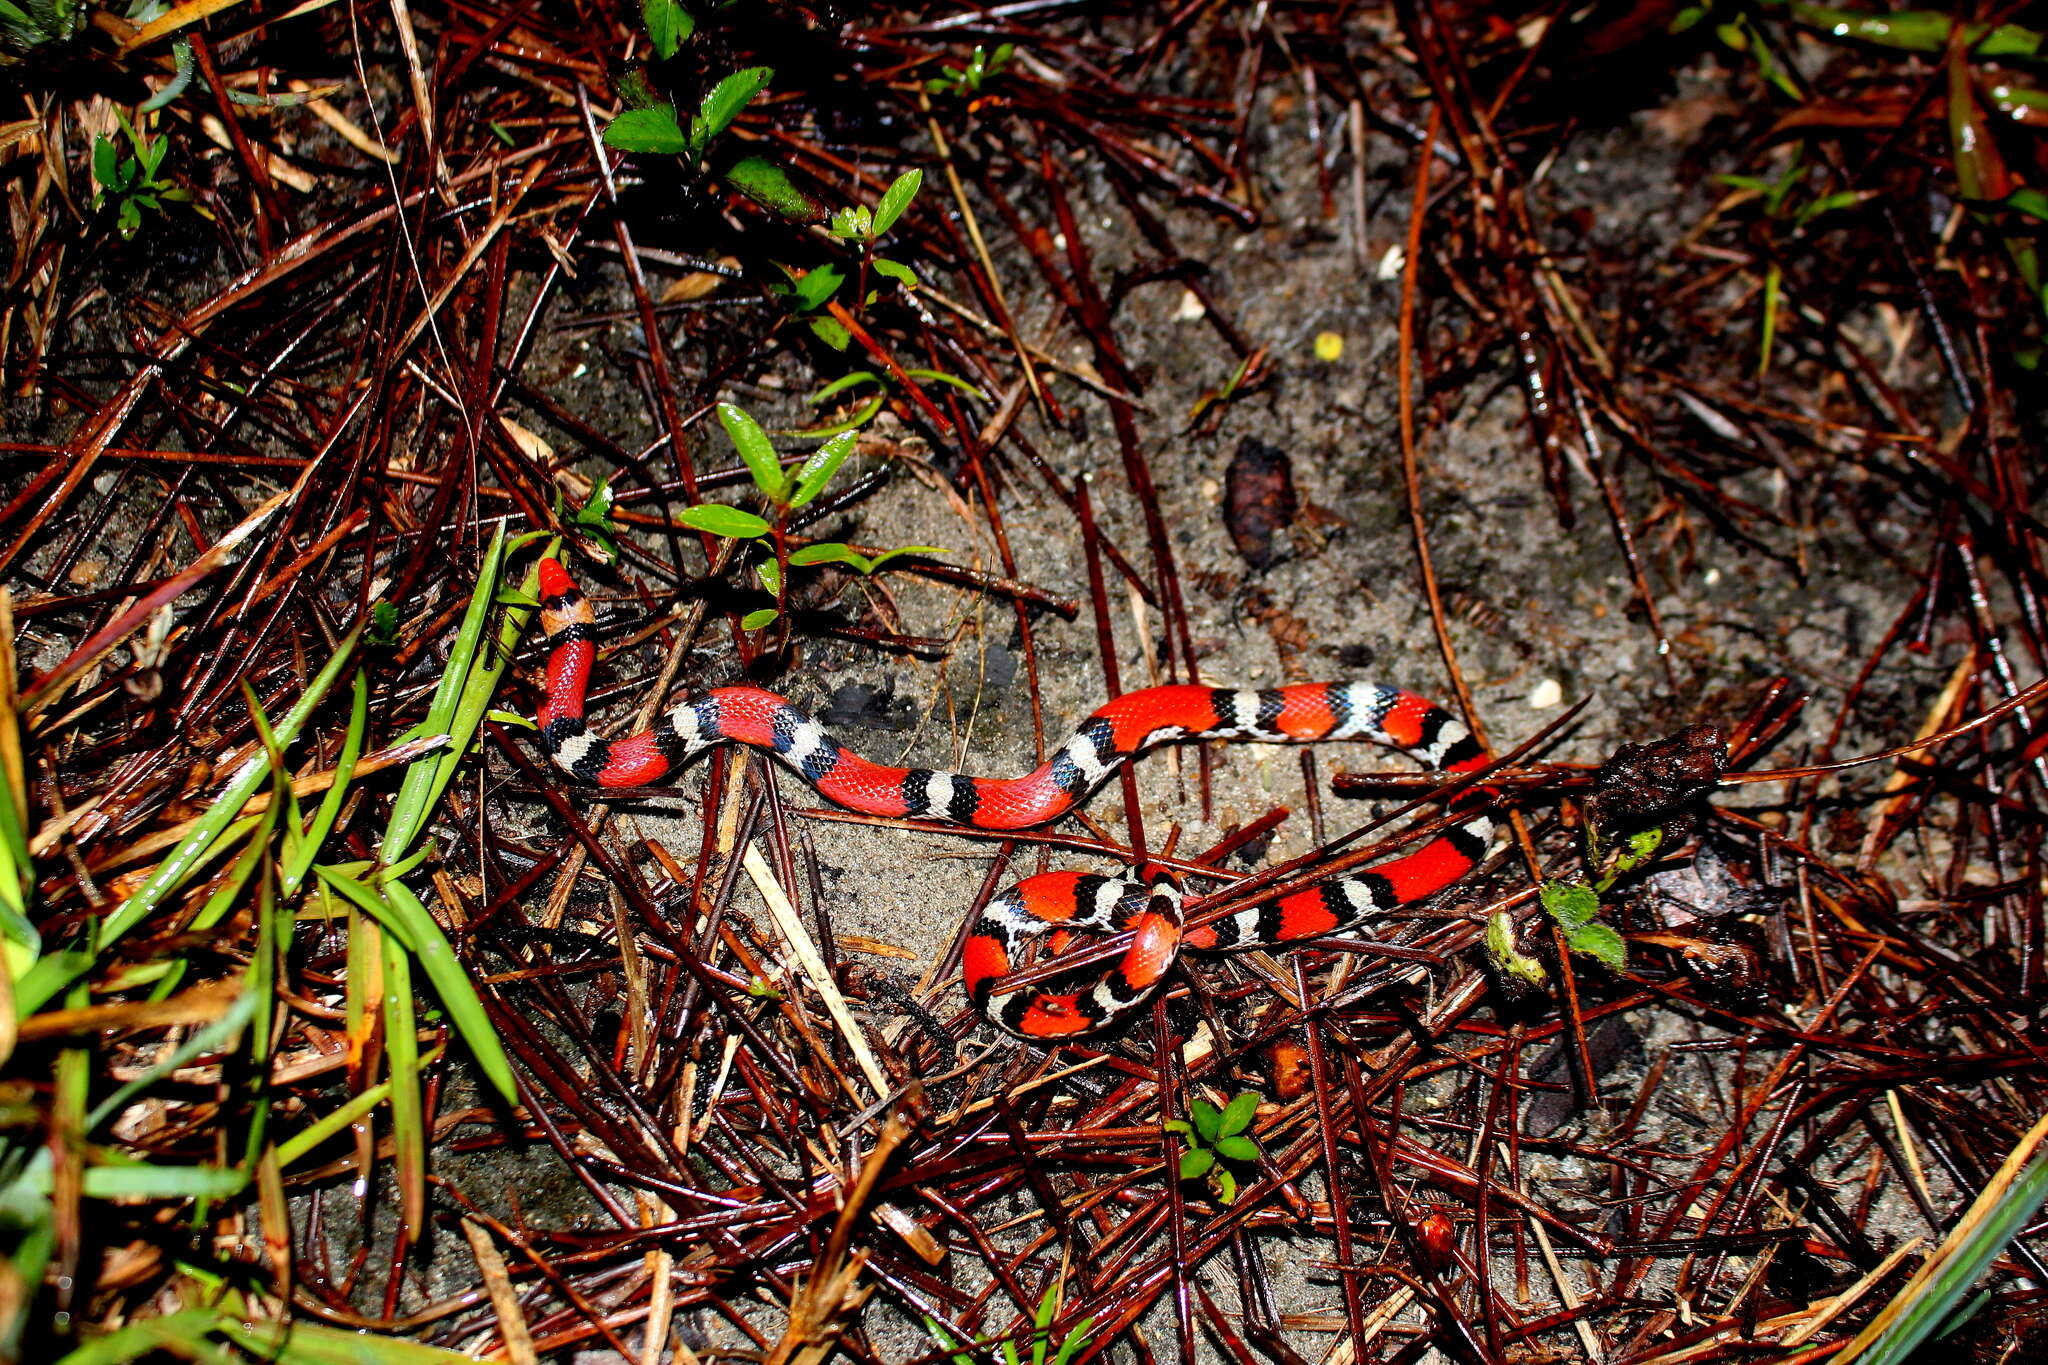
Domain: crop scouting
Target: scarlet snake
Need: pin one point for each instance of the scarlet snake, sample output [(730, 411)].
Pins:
[(1052, 903)]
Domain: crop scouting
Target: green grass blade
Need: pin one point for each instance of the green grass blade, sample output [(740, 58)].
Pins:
[(198, 845), (313, 1134), (402, 1056), (1930, 1298), (423, 786), (300, 864), (217, 1036), (401, 913)]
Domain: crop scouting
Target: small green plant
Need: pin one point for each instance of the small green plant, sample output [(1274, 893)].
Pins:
[(669, 25), (27, 26), (1575, 906), (864, 226), (651, 125), (130, 183), (383, 631), (594, 518), (966, 81), (1216, 1138), (1041, 1335), (860, 378), (786, 494)]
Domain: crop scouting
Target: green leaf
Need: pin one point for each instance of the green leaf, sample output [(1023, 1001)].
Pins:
[(818, 470), (653, 131), (817, 287), (668, 24), (1195, 1163), (895, 271), (1208, 1119), (1569, 903), (1237, 1148), (1829, 203), (1181, 1126), (717, 519), (145, 1181), (831, 332), (105, 160), (1238, 1114), (2029, 201), (755, 449), (895, 199), (855, 224), (842, 384), (883, 558), (827, 552), (397, 909), (1226, 1185), (1500, 946), (770, 574), (1599, 941), (754, 620), (383, 624), (724, 103), (769, 185), (1929, 1299)]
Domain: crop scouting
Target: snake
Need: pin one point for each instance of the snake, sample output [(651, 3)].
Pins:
[(1053, 906)]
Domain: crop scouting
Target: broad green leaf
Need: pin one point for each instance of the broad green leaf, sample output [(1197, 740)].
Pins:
[(2029, 201), (828, 552), (754, 620), (724, 103), (895, 270), (105, 161), (1238, 1114), (769, 185), (832, 332), (668, 24), (1237, 1148), (770, 574), (1569, 903), (818, 470), (1195, 1163), (1599, 941), (895, 199), (816, 288), (755, 449), (715, 518), (1207, 1118), (654, 131), (1226, 1185)]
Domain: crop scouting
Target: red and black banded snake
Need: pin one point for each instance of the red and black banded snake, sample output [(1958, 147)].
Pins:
[(1058, 904)]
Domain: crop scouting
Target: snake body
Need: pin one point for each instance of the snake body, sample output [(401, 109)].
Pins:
[(1055, 904)]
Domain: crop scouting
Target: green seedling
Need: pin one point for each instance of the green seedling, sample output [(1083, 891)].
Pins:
[(861, 378), (652, 125), (1216, 1139), (1043, 1352), (966, 81), (786, 493), (594, 518), (130, 183)]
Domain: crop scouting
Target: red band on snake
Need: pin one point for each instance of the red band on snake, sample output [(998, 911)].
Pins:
[(1055, 904)]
